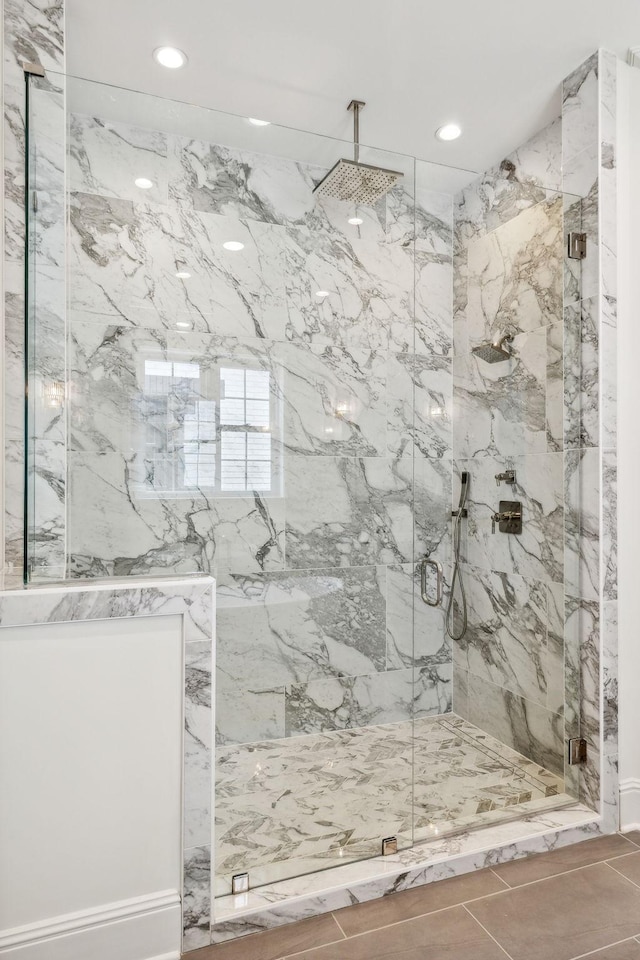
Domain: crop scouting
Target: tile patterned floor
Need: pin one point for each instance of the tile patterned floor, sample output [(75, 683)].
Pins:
[(579, 901), (288, 807)]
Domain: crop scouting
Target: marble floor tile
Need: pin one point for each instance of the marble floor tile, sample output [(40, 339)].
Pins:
[(308, 802)]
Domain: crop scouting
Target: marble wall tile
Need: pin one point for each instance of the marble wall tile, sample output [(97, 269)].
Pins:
[(118, 526), (582, 522), (610, 677), (342, 703), (609, 372), (302, 626), (525, 726), (557, 690), (515, 276), (609, 543), (500, 409), (554, 391), (581, 375), (196, 897), (590, 266), (106, 158), (506, 639), (538, 551), (364, 509), (415, 631), (370, 289), (419, 405), (124, 256), (580, 109), (433, 297), (198, 744), (47, 520), (520, 181)]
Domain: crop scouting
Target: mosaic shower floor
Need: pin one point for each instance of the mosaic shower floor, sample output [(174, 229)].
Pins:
[(289, 807)]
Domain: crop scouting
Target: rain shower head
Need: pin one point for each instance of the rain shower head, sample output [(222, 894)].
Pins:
[(354, 181), (494, 351)]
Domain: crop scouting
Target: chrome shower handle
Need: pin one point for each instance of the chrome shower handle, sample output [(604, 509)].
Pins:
[(427, 562)]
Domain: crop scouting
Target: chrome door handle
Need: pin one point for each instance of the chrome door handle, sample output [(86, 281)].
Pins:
[(426, 562)]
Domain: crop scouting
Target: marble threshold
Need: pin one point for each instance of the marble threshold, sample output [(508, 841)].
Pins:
[(437, 859)]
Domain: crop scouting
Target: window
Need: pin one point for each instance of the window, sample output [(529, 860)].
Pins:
[(208, 429)]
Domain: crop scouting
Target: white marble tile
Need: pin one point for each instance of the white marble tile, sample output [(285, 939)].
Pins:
[(500, 409), (133, 531), (301, 625), (610, 677), (537, 552), (582, 522), (198, 744), (419, 405), (196, 897), (580, 109), (609, 541), (361, 512), (506, 638), (515, 274), (581, 375), (106, 158)]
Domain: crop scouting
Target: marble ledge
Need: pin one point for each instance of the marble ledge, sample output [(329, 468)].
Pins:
[(307, 896), (190, 597)]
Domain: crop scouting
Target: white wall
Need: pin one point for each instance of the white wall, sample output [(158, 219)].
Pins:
[(629, 441), (91, 717)]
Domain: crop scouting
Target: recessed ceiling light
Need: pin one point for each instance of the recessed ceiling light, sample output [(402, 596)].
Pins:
[(321, 294), (450, 131), (143, 183), (183, 274), (233, 245), (170, 57), (259, 123), (356, 221)]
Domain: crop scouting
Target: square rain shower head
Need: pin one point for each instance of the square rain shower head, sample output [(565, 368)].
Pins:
[(356, 182)]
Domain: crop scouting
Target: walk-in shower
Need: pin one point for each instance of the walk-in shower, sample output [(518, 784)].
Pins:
[(233, 372)]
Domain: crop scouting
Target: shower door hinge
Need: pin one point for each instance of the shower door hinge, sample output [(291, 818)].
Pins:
[(577, 750), (577, 246), (389, 846), (34, 201), (239, 883)]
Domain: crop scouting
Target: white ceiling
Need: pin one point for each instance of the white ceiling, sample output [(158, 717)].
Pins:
[(494, 67)]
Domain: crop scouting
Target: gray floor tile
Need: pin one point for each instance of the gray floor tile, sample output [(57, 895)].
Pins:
[(563, 859), (449, 935), (418, 901), (563, 917), (274, 944), (629, 950), (628, 866)]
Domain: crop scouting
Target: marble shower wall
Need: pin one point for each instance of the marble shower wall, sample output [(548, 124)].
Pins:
[(509, 276), (589, 169), (314, 542), (34, 32)]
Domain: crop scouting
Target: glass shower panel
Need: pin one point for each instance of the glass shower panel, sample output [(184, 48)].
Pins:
[(44, 342), (240, 402)]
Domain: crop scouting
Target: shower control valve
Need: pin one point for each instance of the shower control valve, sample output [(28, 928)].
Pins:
[(509, 476), (508, 517)]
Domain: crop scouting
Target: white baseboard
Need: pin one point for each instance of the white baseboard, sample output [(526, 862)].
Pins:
[(630, 804), (143, 928)]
